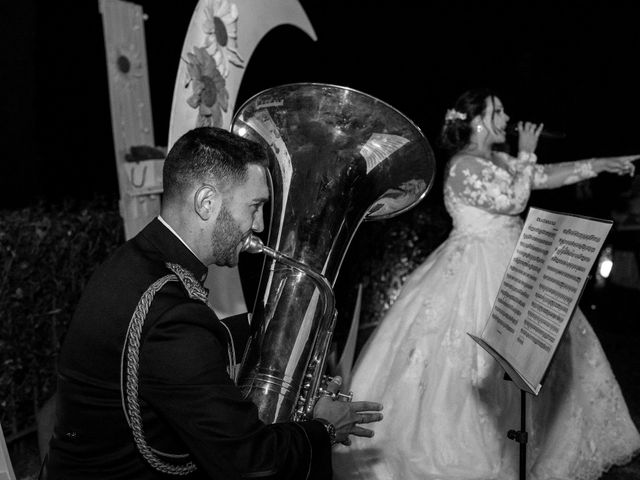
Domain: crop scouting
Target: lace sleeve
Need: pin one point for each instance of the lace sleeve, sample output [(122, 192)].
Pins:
[(561, 174), (480, 183)]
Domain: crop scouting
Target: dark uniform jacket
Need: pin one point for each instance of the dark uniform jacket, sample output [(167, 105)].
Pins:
[(188, 401)]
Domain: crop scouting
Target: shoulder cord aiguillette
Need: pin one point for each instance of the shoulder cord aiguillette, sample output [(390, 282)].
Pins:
[(130, 357)]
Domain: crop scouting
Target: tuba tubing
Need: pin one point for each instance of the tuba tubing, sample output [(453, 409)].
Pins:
[(313, 381)]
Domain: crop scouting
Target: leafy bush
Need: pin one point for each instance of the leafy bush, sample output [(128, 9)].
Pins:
[(47, 253)]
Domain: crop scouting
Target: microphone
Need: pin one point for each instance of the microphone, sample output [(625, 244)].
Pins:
[(550, 134)]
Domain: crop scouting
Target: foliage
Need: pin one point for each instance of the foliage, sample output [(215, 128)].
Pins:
[(381, 256), (47, 253)]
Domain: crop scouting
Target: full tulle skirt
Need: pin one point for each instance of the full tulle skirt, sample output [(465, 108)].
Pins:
[(447, 405)]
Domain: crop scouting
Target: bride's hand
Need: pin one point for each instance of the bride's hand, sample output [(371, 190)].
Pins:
[(621, 165), (528, 136)]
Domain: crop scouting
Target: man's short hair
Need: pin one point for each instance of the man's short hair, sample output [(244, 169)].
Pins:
[(209, 154)]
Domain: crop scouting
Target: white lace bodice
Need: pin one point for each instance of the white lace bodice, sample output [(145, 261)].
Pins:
[(480, 195), (483, 195)]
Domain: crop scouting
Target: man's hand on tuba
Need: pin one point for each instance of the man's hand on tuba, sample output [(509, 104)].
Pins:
[(346, 416)]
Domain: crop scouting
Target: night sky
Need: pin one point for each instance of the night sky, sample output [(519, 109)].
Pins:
[(571, 68)]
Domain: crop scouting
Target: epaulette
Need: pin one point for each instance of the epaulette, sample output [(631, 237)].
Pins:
[(194, 289)]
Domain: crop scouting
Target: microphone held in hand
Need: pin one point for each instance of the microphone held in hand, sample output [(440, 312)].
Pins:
[(512, 129)]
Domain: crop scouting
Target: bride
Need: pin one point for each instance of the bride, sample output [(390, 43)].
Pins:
[(447, 405)]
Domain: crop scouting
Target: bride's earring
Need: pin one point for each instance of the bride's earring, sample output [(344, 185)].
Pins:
[(479, 128)]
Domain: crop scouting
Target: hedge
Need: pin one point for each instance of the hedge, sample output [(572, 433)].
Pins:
[(47, 253)]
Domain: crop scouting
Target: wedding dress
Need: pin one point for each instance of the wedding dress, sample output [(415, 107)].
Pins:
[(446, 403)]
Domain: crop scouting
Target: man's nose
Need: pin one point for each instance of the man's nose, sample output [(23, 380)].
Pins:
[(258, 223)]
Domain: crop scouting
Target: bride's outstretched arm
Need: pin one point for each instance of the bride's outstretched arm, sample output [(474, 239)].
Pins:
[(560, 174)]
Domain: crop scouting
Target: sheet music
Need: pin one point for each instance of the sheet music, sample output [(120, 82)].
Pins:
[(541, 288)]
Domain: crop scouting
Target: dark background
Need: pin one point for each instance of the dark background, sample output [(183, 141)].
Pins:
[(571, 67)]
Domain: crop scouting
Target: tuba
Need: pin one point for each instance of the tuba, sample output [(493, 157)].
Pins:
[(337, 157)]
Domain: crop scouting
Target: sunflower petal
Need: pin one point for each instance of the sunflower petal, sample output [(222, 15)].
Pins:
[(216, 117)]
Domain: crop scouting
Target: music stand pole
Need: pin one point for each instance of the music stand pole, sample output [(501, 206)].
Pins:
[(520, 436)]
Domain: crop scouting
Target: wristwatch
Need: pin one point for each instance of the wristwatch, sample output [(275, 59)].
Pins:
[(331, 429)]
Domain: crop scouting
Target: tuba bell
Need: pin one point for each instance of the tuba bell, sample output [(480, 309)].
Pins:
[(337, 157)]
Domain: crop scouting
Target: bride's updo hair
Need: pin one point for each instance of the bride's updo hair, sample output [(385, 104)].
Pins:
[(456, 130)]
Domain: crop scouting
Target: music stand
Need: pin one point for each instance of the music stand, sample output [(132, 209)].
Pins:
[(521, 436)]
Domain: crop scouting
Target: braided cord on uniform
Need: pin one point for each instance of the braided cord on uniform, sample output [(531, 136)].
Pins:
[(131, 405)]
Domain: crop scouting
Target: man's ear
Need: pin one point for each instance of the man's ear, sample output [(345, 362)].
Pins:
[(206, 201)]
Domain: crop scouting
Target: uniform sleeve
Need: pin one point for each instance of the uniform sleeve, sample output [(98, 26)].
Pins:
[(184, 379), (479, 183), (239, 331)]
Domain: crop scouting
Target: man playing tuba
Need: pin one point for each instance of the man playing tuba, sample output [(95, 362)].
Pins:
[(145, 384)]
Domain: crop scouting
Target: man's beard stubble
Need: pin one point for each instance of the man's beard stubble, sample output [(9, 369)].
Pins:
[(225, 239)]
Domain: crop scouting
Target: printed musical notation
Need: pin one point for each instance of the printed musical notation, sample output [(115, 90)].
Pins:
[(539, 292)]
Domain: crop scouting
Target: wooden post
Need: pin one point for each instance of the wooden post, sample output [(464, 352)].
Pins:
[(140, 181)]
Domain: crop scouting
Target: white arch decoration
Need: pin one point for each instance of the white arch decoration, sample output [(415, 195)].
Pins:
[(220, 40)]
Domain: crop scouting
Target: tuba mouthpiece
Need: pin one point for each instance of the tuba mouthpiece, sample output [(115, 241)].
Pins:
[(252, 244)]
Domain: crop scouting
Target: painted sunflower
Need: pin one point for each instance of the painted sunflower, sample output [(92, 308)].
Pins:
[(210, 95), (221, 29)]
